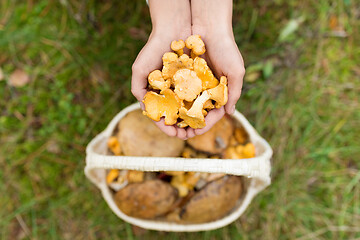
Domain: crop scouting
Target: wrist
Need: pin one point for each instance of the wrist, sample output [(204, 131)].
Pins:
[(170, 18), (211, 18)]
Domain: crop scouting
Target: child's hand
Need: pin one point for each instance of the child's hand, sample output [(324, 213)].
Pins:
[(212, 20), (171, 20)]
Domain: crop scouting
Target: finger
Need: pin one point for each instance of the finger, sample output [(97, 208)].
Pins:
[(138, 80), (213, 117), (167, 129), (235, 72), (149, 59), (181, 133), (190, 132), (235, 83)]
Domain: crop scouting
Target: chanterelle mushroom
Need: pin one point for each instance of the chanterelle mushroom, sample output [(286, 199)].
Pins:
[(187, 84), (178, 46), (166, 104), (172, 63), (204, 73), (194, 116), (196, 44), (219, 93), (156, 80)]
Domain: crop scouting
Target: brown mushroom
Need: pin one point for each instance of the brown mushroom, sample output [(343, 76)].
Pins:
[(216, 139), (214, 201), (139, 136), (147, 200)]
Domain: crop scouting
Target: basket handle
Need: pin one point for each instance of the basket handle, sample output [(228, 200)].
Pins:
[(97, 160)]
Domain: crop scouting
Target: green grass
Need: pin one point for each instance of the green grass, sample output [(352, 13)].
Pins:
[(79, 56)]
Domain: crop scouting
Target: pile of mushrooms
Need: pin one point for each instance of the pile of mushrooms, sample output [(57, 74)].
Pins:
[(175, 196), (186, 89)]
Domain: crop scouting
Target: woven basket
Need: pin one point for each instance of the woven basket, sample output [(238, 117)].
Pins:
[(256, 172)]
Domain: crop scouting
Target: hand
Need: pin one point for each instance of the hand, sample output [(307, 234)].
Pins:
[(171, 20), (212, 19)]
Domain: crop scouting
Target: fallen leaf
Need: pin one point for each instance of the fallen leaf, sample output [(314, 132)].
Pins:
[(290, 28), (253, 72), (19, 78), (252, 76)]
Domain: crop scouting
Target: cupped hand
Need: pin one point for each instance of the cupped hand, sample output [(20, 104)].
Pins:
[(171, 20), (212, 20), (224, 58)]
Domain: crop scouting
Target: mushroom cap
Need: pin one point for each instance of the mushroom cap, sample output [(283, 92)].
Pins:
[(186, 62), (114, 145), (153, 198), (166, 104), (172, 63), (187, 84), (204, 73), (139, 136), (216, 139), (195, 122), (213, 201), (196, 44), (177, 45), (219, 93), (156, 81), (194, 117)]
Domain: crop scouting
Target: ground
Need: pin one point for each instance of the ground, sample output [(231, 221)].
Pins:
[(301, 93)]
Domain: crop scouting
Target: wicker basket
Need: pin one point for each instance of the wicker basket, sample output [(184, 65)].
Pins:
[(255, 170)]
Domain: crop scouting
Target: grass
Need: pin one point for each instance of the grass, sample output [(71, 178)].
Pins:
[(304, 101)]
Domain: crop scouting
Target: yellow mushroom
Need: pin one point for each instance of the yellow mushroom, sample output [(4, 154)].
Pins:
[(187, 84), (178, 46), (156, 81), (182, 124), (135, 176), (195, 44), (114, 145), (209, 105), (172, 63), (219, 93), (240, 135), (188, 153), (204, 73), (194, 117), (112, 175), (166, 104), (249, 150)]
